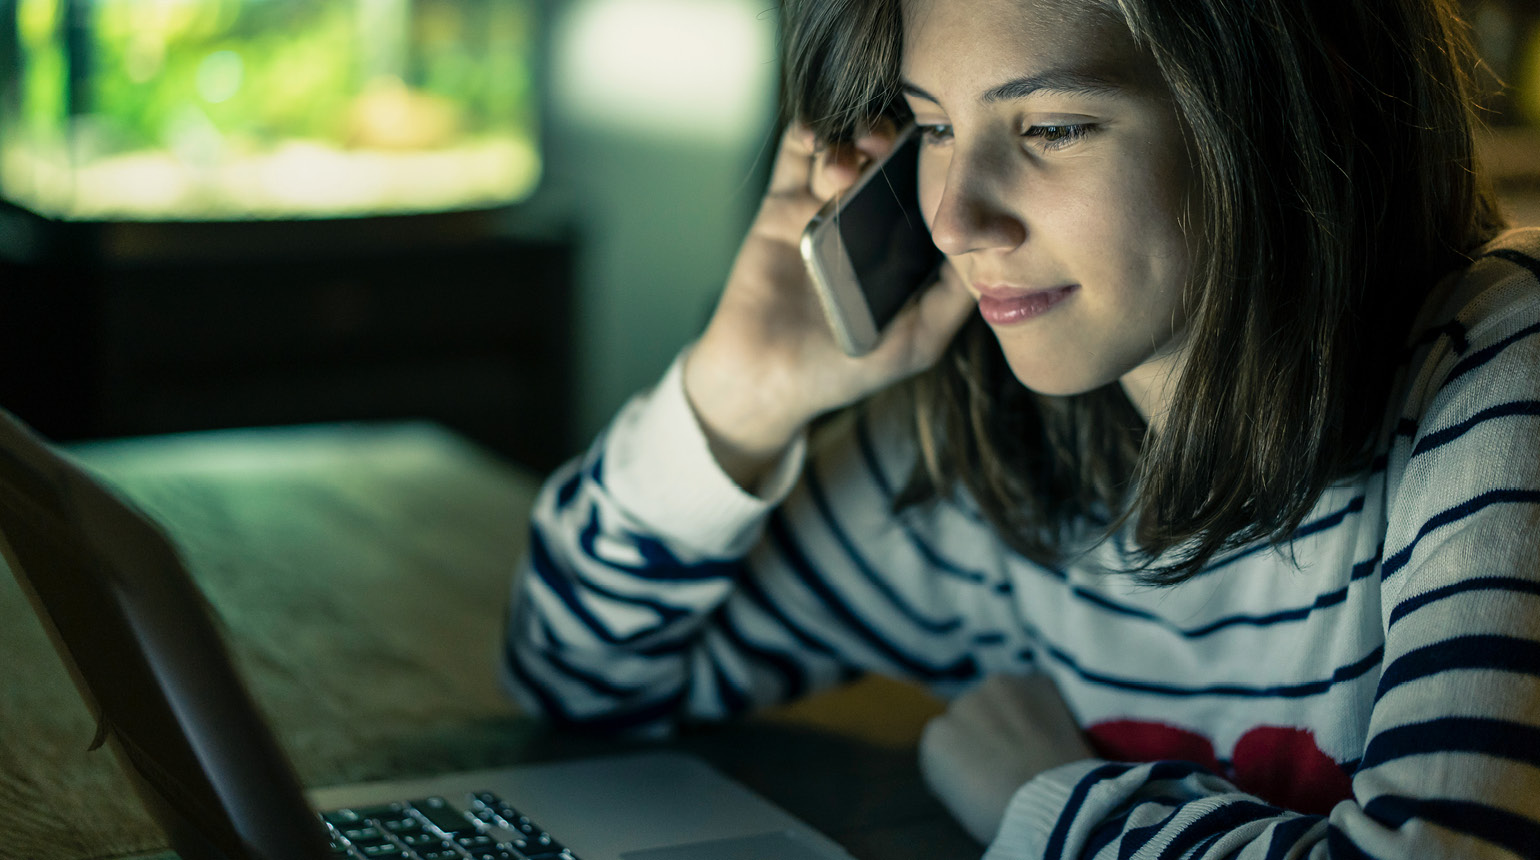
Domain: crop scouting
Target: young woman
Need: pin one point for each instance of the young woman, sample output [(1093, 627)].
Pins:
[(1222, 423)]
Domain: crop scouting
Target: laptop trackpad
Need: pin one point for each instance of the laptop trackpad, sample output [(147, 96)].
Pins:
[(765, 846)]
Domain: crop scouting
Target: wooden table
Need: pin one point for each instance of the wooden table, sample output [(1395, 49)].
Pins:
[(361, 573)]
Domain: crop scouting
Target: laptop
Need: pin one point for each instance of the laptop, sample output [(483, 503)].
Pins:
[(143, 647)]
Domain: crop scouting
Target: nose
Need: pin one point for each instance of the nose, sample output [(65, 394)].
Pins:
[(972, 213)]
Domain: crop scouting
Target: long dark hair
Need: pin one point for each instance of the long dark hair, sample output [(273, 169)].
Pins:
[(1333, 145)]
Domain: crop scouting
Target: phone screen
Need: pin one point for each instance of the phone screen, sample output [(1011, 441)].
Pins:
[(885, 236)]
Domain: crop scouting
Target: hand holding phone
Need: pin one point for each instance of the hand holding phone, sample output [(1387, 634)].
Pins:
[(767, 364), (868, 250)]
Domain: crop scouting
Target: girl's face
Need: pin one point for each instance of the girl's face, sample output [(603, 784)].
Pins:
[(1053, 177)]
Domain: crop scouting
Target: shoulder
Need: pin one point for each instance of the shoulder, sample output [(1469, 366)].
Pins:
[(1501, 282), (1479, 330), (1461, 456)]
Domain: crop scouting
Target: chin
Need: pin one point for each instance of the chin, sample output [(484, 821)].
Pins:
[(1056, 378)]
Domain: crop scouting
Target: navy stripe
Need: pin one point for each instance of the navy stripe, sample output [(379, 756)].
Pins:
[(1509, 584), (555, 579), (553, 641), (1280, 691), (1397, 561), (874, 468), (667, 613), (596, 470), (1060, 835), (1486, 354), (1138, 837), (1172, 770), (1135, 840), (658, 564), (1334, 518), (1498, 653), (1329, 599), (734, 700), (1288, 834), (879, 583), (868, 449), (783, 540), (1497, 738), (749, 586), (1517, 257), (794, 680), (596, 684), (1360, 570), (549, 704), (607, 723), (943, 565), (1106, 833), (568, 490), (1116, 608), (1164, 771), (1217, 823), (1453, 432), (1512, 831), (1356, 505)]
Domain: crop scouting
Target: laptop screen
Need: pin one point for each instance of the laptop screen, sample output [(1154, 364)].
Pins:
[(141, 643)]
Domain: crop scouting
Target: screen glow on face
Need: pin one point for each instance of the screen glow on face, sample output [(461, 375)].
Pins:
[(1053, 177)]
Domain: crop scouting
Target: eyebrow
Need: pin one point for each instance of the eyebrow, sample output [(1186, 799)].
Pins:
[(1063, 81)]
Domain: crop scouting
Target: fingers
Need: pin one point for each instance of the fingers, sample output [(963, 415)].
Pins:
[(839, 165), (803, 165), (794, 161)]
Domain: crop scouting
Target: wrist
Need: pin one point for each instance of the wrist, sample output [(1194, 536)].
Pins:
[(747, 425)]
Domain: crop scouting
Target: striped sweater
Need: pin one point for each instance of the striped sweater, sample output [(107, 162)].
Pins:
[(1374, 693)]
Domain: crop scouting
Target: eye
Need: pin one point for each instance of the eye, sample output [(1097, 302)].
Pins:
[(935, 135), (1058, 136)]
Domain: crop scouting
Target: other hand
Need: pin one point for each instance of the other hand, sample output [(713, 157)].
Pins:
[(991, 741)]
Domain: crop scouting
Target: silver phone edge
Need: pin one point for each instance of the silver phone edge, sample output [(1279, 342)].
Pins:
[(846, 310)]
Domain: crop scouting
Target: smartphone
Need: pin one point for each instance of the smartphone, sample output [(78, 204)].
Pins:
[(868, 250)]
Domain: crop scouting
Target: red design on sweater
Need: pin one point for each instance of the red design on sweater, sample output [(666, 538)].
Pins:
[(1281, 765)]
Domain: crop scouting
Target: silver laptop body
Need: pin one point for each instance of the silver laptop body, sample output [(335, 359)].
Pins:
[(141, 643)]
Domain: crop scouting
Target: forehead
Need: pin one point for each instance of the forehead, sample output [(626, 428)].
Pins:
[(950, 43)]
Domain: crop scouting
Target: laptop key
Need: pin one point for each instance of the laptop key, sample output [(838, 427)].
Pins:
[(421, 839), (493, 854), (382, 851), (360, 833), (486, 816), (440, 814), (401, 826), (341, 817), (537, 846)]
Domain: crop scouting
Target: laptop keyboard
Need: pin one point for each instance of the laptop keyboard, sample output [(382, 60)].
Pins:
[(434, 829)]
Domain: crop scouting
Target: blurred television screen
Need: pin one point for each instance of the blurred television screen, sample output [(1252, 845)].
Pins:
[(170, 110)]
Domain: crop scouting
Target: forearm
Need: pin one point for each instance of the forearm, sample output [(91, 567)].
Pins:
[(630, 549)]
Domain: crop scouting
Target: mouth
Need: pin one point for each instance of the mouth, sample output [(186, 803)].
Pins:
[(1009, 305)]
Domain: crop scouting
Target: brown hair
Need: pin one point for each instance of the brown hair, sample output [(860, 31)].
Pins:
[(1333, 147)]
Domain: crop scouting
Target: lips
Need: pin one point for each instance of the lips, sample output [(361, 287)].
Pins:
[(1008, 306)]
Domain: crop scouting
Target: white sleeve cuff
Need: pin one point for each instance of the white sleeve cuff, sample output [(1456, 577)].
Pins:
[(1034, 811), (658, 466)]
